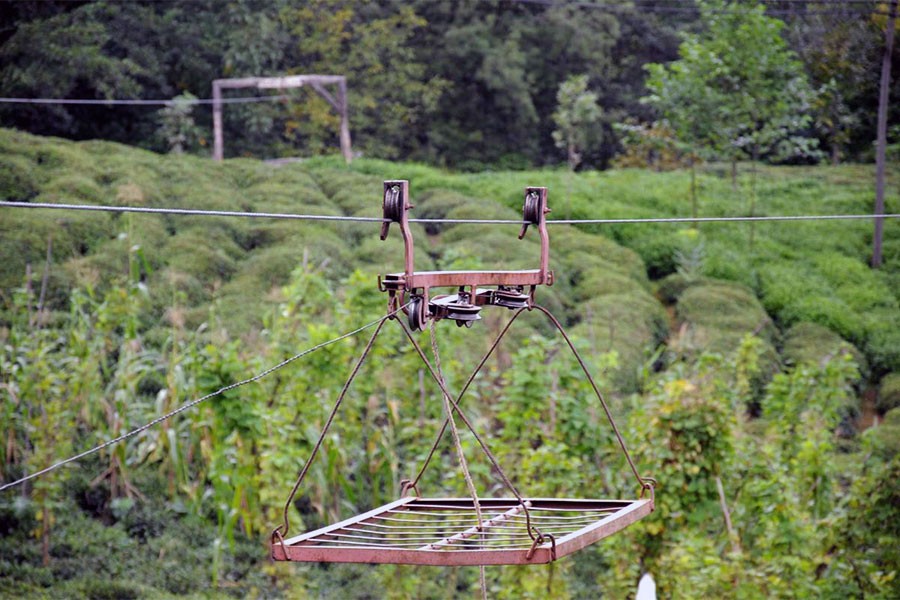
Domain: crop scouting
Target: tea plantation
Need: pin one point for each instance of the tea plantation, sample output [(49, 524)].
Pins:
[(753, 355)]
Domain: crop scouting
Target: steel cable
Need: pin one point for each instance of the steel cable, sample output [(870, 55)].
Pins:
[(189, 405), (519, 222), (140, 102)]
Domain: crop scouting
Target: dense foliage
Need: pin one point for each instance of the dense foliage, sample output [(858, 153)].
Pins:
[(468, 83), (753, 368)]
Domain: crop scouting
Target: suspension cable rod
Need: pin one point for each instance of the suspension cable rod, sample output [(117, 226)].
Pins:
[(190, 405), (519, 222)]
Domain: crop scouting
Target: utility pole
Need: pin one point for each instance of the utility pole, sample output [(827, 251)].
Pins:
[(882, 135)]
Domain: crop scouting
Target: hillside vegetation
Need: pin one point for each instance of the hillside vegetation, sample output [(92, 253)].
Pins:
[(731, 352)]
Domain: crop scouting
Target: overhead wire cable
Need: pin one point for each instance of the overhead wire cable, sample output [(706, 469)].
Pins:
[(143, 102), (686, 9), (193, 403), (312, 217)]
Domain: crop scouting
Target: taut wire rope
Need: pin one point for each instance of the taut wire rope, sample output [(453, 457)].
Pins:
[(463, 464), (142, 102), (194, 403), (518, 222)]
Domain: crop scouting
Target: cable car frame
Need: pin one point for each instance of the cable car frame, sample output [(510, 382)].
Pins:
[(437, 531)]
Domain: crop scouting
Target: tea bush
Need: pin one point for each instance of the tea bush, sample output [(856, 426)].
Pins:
[(889, 393)]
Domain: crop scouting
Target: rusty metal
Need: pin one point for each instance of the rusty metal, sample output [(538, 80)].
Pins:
[(444, 531), (475, 530), (464, 306)]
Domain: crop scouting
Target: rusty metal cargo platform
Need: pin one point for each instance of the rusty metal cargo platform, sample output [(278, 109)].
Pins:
[(444, 531)]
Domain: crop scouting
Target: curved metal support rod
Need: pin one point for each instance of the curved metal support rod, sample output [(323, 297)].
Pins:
[(282, 530), (533, 531), (459, 398), (644, 482)]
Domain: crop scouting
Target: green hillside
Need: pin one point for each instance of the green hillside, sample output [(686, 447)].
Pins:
[(750, 354)]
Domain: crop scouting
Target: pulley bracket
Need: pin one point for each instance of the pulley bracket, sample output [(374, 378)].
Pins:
[(412, 288)]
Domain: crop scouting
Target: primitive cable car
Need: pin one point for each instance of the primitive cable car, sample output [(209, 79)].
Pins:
[(462, 531)]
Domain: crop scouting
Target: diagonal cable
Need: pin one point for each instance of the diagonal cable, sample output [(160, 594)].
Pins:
[(189, 405)]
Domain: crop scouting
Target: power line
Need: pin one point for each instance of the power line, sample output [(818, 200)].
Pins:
[(858, 9), (718, 219), (192, 404), (140, 102), (303, 217)]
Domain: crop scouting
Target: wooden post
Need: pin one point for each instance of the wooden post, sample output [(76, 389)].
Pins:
[(882, 136), (317, 82), (218, 141), (345, 122)]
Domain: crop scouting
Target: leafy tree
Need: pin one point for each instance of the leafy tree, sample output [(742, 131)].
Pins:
[(838, 58), (177, 126), (576, 118), (369, 43), (737, 88)]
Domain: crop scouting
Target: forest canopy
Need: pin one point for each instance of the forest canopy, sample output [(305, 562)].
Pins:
[(464, 84)]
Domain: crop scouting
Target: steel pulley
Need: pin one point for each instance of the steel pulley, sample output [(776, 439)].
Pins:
[(507, 288), (415, 313)]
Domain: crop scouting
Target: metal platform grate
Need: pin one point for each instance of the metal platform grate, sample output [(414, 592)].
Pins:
[(444, 531)]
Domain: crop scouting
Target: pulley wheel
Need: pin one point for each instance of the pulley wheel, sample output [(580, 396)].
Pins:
[(414, 313), (463, 314), (532, 209), (393, 203), (511, 299)]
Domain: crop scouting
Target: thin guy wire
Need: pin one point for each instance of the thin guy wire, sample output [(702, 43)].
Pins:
[(140, 102), (187, 406), (302, 217)]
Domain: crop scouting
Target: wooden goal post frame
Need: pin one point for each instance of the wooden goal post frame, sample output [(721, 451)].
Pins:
[(317, 82)]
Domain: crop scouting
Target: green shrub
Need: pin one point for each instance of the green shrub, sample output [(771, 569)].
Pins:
[(437, 204), (573, 250), (632, 324), (670, 288), (716, 316), (17, 180), (601, 282), (658, 252), (809, 343), (380, 257), (880, 338), (719, 314), (727, 262), (206, 255), (889, 393), (883, 440), (75, 187)]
